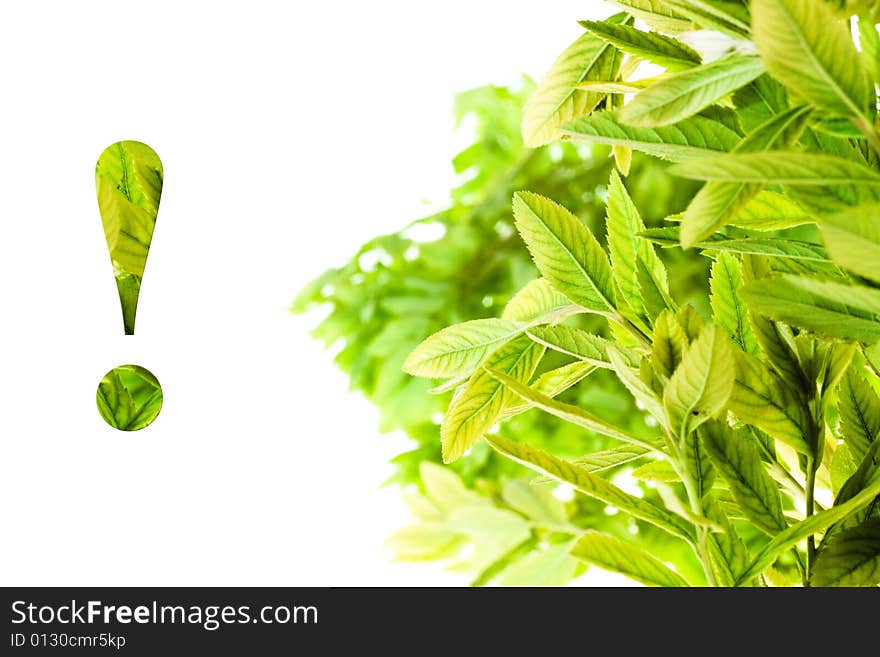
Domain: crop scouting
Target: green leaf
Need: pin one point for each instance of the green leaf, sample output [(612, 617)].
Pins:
[(702, 383), (493, 533), (766, 246), (535, 503), (728, 556), (859, 408), (483, 400), (851, 558), (604, 460), (618, 556), (770, 211), (445, 488), (657, 48), (692, 138), (717, 202), (775, 339), (623, 225), (657, 471), (657, 14), (812, 525), (737, 459), (609, 459), (593, 486), (567, 412), (698, 466), (726, 16), (843, 466), (681, 95), (552, 383), (574, 342), (778, 167), (812, 305), (869, 38), (548, 566), (620, 87), (654, 285), (128, 179), (760, 398), (459, 349), (424, 542), (728, 311), (866, 472), (627, 250), (853, 239), (669, 344), (810, 51), (565, 252), (536, 299), (557, 100)]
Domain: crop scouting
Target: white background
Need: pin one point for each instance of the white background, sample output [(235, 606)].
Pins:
[(290, 133)]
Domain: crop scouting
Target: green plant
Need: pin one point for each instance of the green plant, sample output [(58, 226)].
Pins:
[(463, 263), (762, 452)]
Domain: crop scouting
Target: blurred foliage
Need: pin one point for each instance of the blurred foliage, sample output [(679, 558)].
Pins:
[(463, 263)]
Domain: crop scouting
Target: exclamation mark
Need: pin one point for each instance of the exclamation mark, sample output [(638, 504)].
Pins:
[(128, 178)]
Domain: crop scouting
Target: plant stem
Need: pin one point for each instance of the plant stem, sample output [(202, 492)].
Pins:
[(810, 495)]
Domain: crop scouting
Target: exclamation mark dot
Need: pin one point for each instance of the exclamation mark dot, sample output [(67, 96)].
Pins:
[(128, 178)]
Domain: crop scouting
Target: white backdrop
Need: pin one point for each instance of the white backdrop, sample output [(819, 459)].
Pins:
[(290, 133)]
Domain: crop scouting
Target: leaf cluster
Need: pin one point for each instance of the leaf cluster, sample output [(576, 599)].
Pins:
[(762, 408)]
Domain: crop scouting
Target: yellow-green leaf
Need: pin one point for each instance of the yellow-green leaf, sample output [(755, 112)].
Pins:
[(536, 299), (851, 558), (737, 459), (669, 344), (458, 350), (573, 342), (627, 559), (565, 252), (837, 310), (681, 95), (692, 138), (779, 167), (853, 239), (657, 48), (702, 383), (557, 99), (760, 398), (482, 401), (728, 310), (770, 211), (859, 408), (593, 486), (811, 51), (567, 412), (657, 14)]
